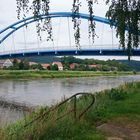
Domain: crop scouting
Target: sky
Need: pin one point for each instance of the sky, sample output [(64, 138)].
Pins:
[(29, 37), (8, 9)]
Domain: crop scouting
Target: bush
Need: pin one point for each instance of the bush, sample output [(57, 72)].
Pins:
[(134, 72), (115, 72), (117, 94)]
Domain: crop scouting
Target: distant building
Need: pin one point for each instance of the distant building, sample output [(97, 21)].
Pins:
[(59, 64), (32, 63), (93, 66), (73, 66), (18, 60), (5, 63), (46, 66)]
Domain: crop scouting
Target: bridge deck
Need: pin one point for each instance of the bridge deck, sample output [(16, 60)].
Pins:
[(74, 52)]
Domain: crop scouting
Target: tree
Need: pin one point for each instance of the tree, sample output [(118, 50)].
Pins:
[(70, 59), (15, 65), (38, 7), (54, 67), (39, 66), (21, 65), (36, 66), (26, 65), (125, 14), (106, 68)]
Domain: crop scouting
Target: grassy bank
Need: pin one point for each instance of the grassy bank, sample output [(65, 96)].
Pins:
[(10, 74), (120, 105)]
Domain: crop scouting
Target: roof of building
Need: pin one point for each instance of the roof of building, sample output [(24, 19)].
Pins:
[(93, 66), (17, 60), (74, 64), (5, 62), (45, 65), (59, 64), (32, 63)]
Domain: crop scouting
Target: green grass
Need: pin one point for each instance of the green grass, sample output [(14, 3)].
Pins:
[(122, 103), (107, 107), (26, 74)]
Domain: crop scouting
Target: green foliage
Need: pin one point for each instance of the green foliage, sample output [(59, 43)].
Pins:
[(26, 65), (92, 23), (117, 94), (43, 59), (104, 109), (54, 67), (70, 59), (15, 65), (82, 67), (125, 14), (109, 65), (106, 68), (134, 72), (22, 65), (76, 22), (67, 130), (37, 7), (119, 65), (8, 74), (122, 101), (36, 67), (134, 65)]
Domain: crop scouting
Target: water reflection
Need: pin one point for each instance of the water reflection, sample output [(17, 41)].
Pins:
[(8, 115), (48, 91)]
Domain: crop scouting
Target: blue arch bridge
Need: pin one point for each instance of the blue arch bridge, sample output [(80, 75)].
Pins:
[(8, 31)]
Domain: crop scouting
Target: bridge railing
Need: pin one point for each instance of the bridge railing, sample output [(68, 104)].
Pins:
[(58, 48)]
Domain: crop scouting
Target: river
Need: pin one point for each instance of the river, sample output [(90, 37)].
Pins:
[(49, 91)]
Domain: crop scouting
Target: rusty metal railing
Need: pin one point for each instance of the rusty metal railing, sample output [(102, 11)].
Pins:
[(74, 110)]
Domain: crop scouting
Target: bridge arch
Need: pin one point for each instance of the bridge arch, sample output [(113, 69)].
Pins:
[(17, 25), (6, 32)]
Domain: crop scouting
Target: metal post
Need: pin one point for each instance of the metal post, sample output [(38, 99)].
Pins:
[(75, 107)]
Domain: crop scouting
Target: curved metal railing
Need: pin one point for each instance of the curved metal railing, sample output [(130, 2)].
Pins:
[(74, 110)]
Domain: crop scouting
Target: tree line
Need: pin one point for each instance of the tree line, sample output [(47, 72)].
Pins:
[(83, 64)]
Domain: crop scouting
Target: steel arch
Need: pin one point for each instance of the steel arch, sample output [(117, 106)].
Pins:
[(17, 25)]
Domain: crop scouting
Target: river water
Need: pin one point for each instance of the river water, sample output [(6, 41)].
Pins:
[(49, 91)]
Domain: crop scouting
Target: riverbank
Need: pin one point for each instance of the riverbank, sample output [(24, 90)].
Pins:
[(28, 74), (117, 107)]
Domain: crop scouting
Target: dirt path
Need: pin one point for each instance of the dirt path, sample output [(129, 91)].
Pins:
[(121, 129)]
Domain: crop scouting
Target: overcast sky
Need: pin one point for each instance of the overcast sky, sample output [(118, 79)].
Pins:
[(8, 16), (8, 9)]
